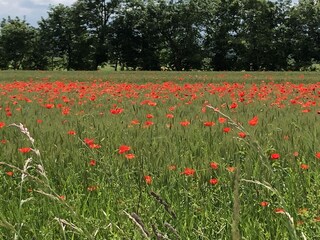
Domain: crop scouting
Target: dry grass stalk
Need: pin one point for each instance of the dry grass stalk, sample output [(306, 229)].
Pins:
[(24, 130), (275, 191), (172, 229), (242, 129), (64, 223), (45, 183), (26, 166), (158, 234), (138, 222), (164, 203)]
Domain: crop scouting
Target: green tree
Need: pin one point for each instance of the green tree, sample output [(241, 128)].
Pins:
[(151, 40), (282, 42), (181, 35), (125, 36), (220, 24), (35, 59), (82, 48), (97, 16), (67, 39), (305, 26), (135, 36), (55, 32), (16, 42), (257, 34)]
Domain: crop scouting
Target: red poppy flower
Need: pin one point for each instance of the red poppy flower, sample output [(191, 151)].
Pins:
[(116, 111), (209, 124), (185, 123), (94, 146), (253, 121), (150, 103), (188, 172), (213, 181), (233, 105), (123, 149), (231, 169), (39, 121), (305, 110), (149, 116), (3, 141), (275, 156), (214, 165), (71, 132), (296, 154), (130, 156), (226, 129), (148, 123), (49, 105), (169, 115), (59, 105), (62, 197), (222, 120), (135, 122), (242, 134), (264, 204), (318, 155), (10, 174), (25, 150), (304, 166), (279, 210), (88, 141), (172, 108), (65, 111), (2, 124), (148, 179), (93, 162), (93, 98)]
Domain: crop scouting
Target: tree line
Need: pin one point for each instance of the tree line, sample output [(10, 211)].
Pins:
[(178, 35)]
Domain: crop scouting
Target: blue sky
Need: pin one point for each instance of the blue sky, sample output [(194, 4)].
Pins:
[(32, 10)]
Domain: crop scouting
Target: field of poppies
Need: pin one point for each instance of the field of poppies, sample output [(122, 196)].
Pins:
[(167, 155)]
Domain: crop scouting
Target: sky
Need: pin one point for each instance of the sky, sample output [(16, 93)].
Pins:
[(31, 10)]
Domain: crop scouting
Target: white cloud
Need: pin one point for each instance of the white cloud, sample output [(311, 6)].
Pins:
[(53, 2), (31, 10)]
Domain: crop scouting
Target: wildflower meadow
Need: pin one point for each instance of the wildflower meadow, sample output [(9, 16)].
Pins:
[(159, 155)]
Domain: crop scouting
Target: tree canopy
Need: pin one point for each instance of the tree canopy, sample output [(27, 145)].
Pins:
[(177, 35)]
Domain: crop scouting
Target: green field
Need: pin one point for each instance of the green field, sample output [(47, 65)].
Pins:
[(159, 155), (147, 76)]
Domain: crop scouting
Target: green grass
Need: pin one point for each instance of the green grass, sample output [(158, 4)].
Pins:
[(147, 76), (99, 198)]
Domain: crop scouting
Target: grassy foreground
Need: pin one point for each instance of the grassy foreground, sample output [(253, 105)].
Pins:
[(167, 155)]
